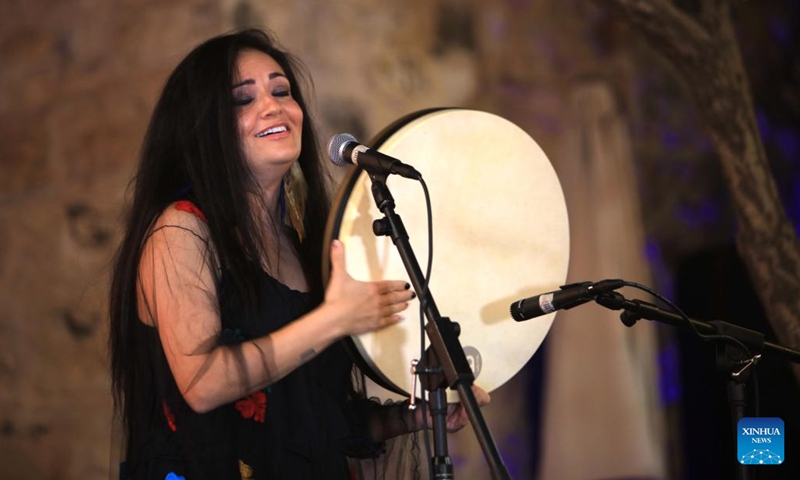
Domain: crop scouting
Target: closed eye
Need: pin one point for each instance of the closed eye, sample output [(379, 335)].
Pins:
[(241, 102)]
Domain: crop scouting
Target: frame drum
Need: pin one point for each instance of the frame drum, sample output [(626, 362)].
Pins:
[(500, 233)]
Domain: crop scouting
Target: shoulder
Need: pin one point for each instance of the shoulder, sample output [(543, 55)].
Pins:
[(182, 235), (183, 215)]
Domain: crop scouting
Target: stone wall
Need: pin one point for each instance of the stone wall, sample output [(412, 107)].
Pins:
[(77, 83)]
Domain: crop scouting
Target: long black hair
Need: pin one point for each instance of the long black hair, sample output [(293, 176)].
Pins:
[(192, 145)]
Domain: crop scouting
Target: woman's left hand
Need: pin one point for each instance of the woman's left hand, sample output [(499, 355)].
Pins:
[(456, 413), (387, 422)]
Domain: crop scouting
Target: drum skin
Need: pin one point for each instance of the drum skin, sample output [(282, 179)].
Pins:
[(500, 233)]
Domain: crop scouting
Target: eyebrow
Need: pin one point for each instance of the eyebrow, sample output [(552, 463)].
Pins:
[(250, 81)]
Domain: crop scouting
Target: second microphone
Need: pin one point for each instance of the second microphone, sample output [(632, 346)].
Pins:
[(569, 296)]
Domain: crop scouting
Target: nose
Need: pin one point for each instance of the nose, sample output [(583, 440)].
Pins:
[(269, 106)]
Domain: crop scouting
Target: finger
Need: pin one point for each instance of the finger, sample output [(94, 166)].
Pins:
[(389, 286), (337, 258), (393, 309), (390, 320), (397, 297), (481, 395)]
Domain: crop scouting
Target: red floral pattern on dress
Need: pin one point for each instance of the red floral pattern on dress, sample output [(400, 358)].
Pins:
[(253, 406), (187, 206), (170, 417)]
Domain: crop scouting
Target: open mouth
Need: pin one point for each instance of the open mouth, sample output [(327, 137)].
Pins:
[(271, 130)]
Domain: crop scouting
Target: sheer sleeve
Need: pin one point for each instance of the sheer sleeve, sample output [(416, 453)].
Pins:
[(178, 268), (178, 294), (398, 455)]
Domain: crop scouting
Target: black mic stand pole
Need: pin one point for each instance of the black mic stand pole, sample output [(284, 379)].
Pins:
[(445, 354), (732, 360)]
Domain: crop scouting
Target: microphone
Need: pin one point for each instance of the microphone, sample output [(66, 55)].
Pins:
[(569, 296), (344, 149)]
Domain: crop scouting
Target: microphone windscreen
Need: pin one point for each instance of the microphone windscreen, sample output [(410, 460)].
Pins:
[(336, 148)]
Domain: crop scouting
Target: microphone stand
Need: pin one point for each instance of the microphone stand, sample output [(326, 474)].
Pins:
[(447, 365), (732, 360)]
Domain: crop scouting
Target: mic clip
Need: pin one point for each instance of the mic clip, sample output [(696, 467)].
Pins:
[(580, 300)]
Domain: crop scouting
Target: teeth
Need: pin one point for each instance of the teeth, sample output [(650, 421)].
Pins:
[(272, 130)]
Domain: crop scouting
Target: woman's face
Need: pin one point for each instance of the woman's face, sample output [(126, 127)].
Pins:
[(270, 120)]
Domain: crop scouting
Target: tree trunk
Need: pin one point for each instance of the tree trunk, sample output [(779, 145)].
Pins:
[(704, 51)]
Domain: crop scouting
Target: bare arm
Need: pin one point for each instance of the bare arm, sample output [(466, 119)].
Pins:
[(178, 296)]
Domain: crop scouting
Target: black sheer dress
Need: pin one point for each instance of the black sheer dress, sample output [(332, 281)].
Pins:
[(302, 427)]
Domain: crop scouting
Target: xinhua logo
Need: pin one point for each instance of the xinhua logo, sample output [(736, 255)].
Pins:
[(760, 441)]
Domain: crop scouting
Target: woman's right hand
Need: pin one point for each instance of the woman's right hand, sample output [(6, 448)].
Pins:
[(363, 306)]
